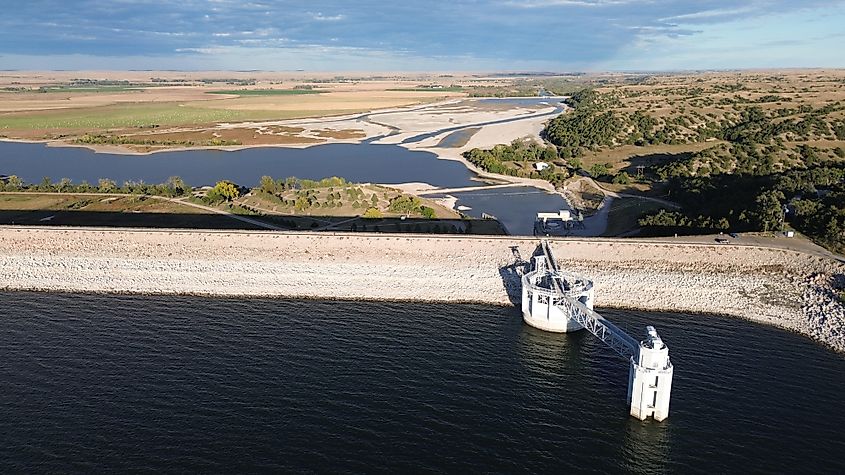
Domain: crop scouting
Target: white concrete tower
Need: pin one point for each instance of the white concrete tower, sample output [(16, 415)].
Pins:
[(546, 296), (650, 379)]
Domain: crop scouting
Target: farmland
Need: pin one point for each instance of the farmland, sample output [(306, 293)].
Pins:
[(121, 116), (267, 92), (49, 106)]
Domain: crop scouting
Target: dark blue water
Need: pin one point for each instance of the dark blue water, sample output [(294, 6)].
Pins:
[(516, 208), (175, 384), (524, 101), (356, 162)]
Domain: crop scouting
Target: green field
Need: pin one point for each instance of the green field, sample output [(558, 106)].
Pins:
[(138, 115), (89, 89), (268, 92)]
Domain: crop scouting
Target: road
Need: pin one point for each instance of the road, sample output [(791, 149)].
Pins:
[(238, 217), (614, 194)]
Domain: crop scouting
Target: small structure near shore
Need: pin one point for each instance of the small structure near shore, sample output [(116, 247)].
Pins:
[(557, 224), (556, 301)]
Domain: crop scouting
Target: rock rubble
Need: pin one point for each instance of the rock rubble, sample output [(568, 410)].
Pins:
[(789, 289)]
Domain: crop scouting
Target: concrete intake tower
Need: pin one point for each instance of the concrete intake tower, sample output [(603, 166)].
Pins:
[(557, 301)]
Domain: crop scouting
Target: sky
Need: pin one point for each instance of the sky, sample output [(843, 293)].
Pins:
[(409, 35)]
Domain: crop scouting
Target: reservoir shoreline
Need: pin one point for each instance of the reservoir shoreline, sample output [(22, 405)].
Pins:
[(786, 288)]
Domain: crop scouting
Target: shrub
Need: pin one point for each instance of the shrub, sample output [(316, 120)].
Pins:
[(224, 190), (427, 212), (599, 169), (622, 178)]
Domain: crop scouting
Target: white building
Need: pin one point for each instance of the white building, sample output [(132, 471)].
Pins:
[(564, 215)]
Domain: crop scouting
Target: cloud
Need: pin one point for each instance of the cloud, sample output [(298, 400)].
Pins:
[(710, 14), (320, 17), (571, 3), (571, 34)]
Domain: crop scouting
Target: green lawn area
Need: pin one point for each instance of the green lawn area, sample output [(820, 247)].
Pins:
[(624, 213), (268, 92)]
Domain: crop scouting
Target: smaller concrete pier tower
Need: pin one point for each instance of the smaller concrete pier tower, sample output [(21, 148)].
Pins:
[(650, 378)]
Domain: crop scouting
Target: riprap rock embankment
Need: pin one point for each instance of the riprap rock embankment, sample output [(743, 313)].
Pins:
[(789, 289)]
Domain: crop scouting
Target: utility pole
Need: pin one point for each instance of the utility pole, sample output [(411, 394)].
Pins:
[(783, 219)]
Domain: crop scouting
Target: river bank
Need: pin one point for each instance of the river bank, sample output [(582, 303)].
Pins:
[(789, 289)]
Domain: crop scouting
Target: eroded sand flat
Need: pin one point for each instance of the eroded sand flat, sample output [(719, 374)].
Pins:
[(775, 286)]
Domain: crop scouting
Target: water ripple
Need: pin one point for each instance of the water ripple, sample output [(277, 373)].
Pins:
[(174, 384)]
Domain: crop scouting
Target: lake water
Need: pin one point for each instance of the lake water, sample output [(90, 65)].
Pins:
[(356, 162), (525, 101), (96, 383), (516, 207)]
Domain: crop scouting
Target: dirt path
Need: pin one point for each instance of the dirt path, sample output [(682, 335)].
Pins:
[(614, 194), (238, 217)]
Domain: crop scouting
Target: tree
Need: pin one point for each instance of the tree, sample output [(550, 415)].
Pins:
[(223, 191), (106, 186), (404, 204), (622, 178), (14, 183), (372, 213), (427, 212), (549, 154), (46, 184), (599, 169), (177, 186), (769, 210), (268, 185), (64, 185)]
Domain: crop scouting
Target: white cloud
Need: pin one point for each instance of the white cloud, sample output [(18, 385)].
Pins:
[(320, 17), (574, 3), (709, 14)]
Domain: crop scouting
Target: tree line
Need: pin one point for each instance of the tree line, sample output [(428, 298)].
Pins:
[(812, 200), (172, 187), (99, 139)]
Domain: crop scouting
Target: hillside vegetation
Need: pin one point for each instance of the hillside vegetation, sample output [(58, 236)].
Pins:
[(738, 151)]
